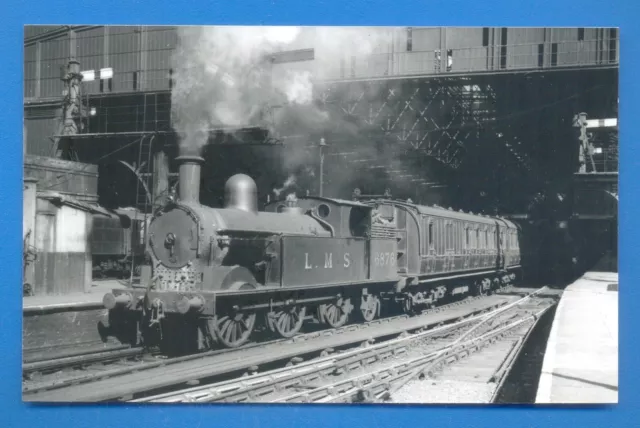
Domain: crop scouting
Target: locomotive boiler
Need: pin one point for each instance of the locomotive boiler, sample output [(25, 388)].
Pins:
[(220, 274)]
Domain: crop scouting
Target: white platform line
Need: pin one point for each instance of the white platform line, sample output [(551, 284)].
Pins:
[(543, 395)]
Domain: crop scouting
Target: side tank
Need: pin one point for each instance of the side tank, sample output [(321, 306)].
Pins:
[(191, 244)]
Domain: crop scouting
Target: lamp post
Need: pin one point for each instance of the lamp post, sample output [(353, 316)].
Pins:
[(322, 145)]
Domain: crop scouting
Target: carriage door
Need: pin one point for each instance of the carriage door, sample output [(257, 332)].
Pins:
[(501, 247), (429, 250), (403, 258)]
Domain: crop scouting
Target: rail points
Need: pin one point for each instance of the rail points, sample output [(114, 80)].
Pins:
[(137, 376)]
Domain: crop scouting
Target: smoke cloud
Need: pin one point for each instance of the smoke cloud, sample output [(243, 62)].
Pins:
[(225, 78), (220, 79)]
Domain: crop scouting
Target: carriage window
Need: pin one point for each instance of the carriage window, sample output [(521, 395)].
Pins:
[(430, 234), (474, 241), (427, 237), (449, 236), (466, 231), (486, 238), (423, 231)]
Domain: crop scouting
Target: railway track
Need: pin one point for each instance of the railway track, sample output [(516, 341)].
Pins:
[(35, 366), (151, 373), (371, 371), (79, 359)]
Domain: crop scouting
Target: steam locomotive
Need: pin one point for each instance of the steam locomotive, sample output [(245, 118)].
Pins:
[(220, 275)]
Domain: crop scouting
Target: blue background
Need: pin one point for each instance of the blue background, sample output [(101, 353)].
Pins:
[(548, 13)]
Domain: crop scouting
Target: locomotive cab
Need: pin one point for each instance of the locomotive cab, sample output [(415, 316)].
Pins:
[(345, 219)]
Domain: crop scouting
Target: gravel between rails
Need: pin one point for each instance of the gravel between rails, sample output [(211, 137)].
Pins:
[(43, 388), (443, 391), (469, 380), (175, 375), (324, 382)]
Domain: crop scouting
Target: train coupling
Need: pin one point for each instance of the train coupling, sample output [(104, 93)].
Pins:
[(188, 304), (119, 301)]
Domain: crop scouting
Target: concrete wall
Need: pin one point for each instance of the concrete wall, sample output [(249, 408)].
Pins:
[(64, 262), (60, 233)]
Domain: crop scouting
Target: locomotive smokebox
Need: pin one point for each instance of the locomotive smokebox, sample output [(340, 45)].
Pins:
[(241, 193), (190, 178)]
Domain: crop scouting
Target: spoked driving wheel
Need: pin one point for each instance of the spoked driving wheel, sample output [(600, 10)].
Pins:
[(287, 321), (335, 314), (234, 329)]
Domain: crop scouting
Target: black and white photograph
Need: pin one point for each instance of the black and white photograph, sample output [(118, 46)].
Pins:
[(283, 214)]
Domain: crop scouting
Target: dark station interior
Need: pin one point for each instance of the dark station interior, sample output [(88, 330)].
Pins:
[(500, 140)]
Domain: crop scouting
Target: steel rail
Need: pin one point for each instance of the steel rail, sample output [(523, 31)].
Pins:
[(230, 353), (80, 360), (378, 384), (257, 385), (502, 373)]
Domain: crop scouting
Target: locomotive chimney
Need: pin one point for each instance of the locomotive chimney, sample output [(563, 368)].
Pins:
[(241, 193), (189, 190)]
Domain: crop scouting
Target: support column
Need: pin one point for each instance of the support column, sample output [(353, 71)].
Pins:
[(37, 91), (443, 49), (71, 107), (105, 47), (142, 72), (73, 45)]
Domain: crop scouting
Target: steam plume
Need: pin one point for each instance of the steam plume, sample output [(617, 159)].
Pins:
[(221, 79), (223, 75)]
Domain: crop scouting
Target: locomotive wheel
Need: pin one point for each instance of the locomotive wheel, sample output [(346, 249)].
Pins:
[(335, 314), (233, 330), (288, 321), (369, 307)]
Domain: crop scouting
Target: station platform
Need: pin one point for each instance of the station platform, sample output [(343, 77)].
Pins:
[(581, 359), (75, 301)]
